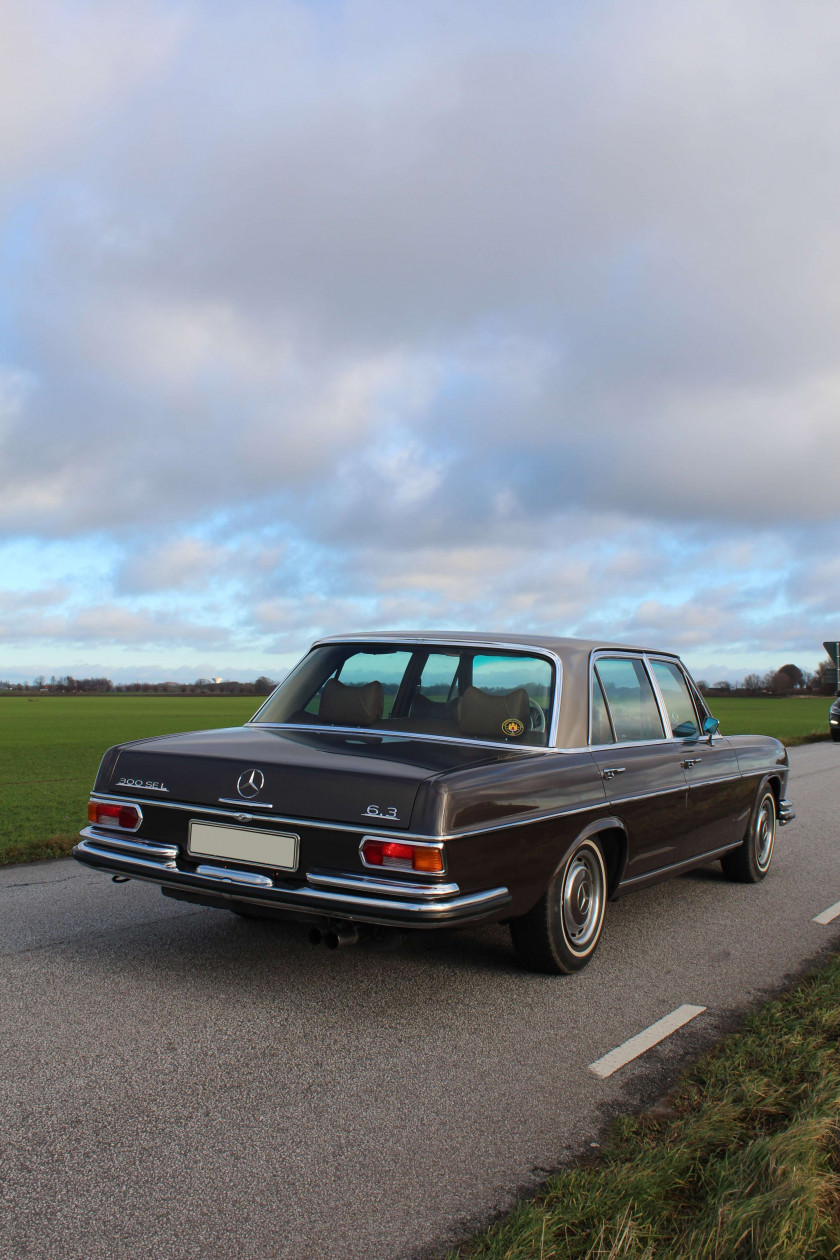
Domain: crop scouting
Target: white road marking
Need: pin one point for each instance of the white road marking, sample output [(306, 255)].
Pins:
[(643, 1041), (827, 915)]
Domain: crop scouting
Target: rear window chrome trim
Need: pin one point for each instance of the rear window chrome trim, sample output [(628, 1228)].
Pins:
[(375, 732), (484, 649)]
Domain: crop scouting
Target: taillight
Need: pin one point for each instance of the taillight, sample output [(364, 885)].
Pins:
[(399, 856), (126, 817)]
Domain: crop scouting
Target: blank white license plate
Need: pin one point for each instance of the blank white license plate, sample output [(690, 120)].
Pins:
[(243, 844)]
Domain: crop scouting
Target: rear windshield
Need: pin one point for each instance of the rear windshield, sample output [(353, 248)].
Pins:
[(468, 693)]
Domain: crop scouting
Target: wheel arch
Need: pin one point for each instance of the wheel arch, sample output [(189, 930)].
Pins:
[(614, 842)]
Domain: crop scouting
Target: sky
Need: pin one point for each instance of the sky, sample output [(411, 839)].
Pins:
[(333, 316)]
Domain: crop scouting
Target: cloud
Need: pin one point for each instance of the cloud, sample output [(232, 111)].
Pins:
[(330, 314)]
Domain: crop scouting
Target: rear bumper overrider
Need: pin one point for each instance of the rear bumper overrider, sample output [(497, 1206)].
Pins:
[(335, 894), (786, 812)]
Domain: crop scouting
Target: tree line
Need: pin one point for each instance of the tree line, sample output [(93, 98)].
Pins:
[(790, 680), (69, 686)]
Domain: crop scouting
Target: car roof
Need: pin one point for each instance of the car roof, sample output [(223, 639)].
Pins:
[(557, 644)]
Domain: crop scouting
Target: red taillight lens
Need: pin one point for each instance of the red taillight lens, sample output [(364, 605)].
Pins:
[(403, 857), (124, 816)]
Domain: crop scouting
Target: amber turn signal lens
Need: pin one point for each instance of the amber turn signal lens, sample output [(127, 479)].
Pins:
[(428, 860)]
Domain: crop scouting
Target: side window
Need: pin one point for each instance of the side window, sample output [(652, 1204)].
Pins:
[(630, 698), (601, 729), (677, 699), (437, 681)]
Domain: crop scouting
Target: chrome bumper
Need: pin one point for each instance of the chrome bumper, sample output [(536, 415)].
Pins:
[(360, 898), (786, 812)]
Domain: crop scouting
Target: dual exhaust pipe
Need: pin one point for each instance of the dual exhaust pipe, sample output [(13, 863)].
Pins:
[(340, 932), (335, 935)]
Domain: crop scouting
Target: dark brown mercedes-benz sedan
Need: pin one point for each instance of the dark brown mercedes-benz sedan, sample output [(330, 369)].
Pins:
[(427, 780)]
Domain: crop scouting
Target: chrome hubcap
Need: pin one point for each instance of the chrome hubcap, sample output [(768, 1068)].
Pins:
[(583, 899), (765, 830)]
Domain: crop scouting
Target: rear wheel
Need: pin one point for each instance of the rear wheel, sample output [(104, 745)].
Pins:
[(750, 862), (560, 934)]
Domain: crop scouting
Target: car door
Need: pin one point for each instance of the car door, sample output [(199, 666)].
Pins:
[(717, 805), (639, 764)]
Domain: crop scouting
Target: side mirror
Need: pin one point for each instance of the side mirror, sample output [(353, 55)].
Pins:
[(686, 730), (710, 727)]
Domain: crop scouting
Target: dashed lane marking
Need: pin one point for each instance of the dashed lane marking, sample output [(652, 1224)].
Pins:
[(827, 915), (643, 1041)]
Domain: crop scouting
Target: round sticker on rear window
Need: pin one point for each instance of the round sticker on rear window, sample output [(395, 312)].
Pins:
[(512, 726)]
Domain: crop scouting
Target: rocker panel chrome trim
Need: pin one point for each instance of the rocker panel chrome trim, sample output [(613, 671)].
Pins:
[(687, 864)]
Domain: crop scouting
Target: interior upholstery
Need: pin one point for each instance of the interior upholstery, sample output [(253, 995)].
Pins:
[(482, 713), (351, 706), (434, 710)]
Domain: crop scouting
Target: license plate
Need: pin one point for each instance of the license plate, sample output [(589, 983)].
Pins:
[(278, 849)]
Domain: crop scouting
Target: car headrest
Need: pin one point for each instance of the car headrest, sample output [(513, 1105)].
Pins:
[(351, 706), (443, 710), (489, 715)]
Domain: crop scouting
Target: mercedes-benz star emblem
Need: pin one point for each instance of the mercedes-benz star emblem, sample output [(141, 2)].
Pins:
[(250, 783)]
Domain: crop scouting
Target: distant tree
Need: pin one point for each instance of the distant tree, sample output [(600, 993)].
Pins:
[(702, 686), (38, 682), (752, 682), (794, 673), (767, 680), (723, 685), (781, 682), (264, 686)]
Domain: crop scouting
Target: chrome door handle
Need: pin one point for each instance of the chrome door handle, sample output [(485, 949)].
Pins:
[(609, 772), (690, 761)]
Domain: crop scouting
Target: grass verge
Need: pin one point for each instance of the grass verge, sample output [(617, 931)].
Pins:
[(742, 1161), (51, 746)]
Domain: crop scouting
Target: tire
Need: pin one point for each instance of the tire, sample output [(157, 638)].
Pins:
[(562, 931), (835, 736), (750, 862)]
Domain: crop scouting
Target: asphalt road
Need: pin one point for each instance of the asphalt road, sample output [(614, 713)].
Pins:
[(179, 1082)]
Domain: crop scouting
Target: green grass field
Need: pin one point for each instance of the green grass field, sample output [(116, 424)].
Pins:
[(50, 748), (793, 719)]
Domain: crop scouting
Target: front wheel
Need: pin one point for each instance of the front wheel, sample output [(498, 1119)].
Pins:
[(750, 862), (559, 935)]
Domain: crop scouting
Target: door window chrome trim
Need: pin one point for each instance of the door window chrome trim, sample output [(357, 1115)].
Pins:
[(614, 654), (646, 658), (522, 649), (692, 692)]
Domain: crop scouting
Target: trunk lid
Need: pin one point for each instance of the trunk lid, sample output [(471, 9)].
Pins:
[(368, 780)]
